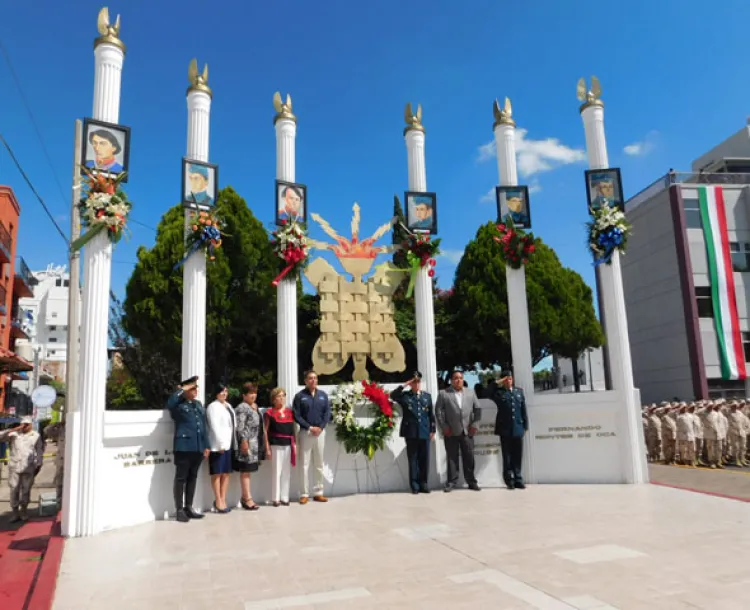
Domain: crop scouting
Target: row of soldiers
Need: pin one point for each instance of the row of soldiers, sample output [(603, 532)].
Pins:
[(706, 432)]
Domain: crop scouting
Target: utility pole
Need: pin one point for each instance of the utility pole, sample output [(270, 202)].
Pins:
[(74, 288)]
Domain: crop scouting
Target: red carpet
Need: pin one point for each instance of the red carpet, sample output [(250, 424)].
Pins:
[(29, 560)]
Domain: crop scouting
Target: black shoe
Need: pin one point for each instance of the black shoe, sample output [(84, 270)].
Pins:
[(424, 490), (193, 515), (510, 486), (182, 516), (415, 491), (520, 486), (448, 488), (474, 487)]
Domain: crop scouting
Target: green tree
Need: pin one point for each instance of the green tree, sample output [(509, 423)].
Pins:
[(152, 371), (240, 300), (555, 300)]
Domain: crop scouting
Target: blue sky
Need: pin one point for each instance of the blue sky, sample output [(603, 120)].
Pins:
[(672, 74)]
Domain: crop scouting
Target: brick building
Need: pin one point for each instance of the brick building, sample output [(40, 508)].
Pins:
[(16, 282)]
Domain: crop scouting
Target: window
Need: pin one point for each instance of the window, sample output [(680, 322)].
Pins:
[(705, 301), (727, 389), (740, 256), (692, 213), (738, 167), (58, 282), (66, 283), (53, 328), (746, 345), (53, 339)]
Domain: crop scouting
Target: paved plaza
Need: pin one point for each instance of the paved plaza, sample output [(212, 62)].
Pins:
[(548, 547)]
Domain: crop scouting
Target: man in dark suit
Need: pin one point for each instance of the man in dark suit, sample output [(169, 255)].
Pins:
[(457, 410), (417, 429), (511, 425), (191, 446)]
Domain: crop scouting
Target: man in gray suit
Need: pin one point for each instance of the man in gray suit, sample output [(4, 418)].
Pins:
[(456, 411)]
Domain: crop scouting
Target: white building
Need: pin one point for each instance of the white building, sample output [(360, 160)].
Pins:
[(590, 371), (47, 315)]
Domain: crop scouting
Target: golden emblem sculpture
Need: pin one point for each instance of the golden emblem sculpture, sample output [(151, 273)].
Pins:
[(198, 81), (283, 109), (108, 33), (356, 317), (504, 116), (413, 121), (589, 97)]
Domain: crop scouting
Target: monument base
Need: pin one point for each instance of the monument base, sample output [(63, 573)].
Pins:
[(573, 438)]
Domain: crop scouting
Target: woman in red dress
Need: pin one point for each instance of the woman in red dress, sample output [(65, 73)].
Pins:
[(281, 447)]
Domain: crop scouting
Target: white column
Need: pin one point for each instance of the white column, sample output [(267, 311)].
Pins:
[(518, 311), (423, 293), (86, 426), (424, 305), (615, 317), (286, 293), (515, 279), (194, 270)]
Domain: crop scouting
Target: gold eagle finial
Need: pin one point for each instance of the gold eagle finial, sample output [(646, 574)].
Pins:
[(283, 109), (589, 97), (109, 34), (504, 116), (198, 81), (413, 121)]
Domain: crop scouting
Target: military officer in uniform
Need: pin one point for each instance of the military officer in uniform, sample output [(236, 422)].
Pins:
[(511, 425), (191, 446), (417, 429)]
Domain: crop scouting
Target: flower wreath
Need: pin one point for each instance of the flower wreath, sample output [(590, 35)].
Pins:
[(608, 231), (104, 207), (291, 245), (362, 439), (205, 233), (420, 252), (518, 246)]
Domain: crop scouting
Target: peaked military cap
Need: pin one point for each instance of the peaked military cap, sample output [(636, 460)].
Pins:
[(190, 383)]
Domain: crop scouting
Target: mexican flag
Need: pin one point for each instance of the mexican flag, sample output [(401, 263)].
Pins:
[(714, 217)]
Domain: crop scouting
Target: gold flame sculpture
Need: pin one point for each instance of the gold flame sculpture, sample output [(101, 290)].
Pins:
[(356, 316)]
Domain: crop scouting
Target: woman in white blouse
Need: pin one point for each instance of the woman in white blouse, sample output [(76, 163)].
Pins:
[(221, 437)]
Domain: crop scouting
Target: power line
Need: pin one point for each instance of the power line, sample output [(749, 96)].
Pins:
[(26, 104), (141, 224), (33, 190)]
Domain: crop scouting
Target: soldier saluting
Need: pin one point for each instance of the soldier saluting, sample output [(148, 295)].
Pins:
[(191, 446), (511, 425), (417, 429)]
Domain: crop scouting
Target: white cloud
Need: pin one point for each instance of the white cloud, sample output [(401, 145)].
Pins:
[(639, 149), (535, 187), (452, 256), (536, 156), (488, 197), (487, 152)]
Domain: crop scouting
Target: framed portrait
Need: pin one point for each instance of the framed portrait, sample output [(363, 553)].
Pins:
[(290, 202), (105, 147), (604, 186), (513, 201), (200, 184), (421, 212)]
